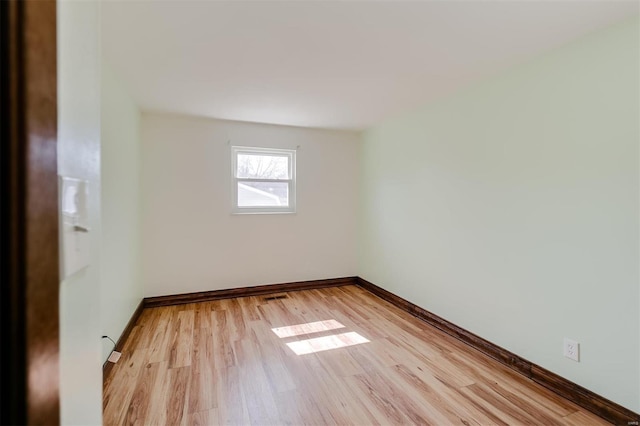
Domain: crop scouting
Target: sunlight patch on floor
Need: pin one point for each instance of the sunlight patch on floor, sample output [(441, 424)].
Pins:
[(326, 343), (308, 328)]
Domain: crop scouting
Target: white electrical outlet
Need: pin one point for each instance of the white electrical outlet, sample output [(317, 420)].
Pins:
[(571, 349), (114, 357)]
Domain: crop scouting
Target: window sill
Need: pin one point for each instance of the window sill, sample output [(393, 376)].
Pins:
[(249, 213)]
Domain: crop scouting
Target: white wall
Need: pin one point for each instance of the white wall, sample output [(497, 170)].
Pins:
[(511, 209), (79, 156), (192, 242), (120, 280)]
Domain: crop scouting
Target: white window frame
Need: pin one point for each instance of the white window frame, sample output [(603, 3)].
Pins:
[(291, 153)]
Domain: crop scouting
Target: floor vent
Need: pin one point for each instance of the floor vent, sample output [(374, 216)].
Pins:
[(276, 297)]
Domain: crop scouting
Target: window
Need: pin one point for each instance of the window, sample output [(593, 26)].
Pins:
[(264, 180)]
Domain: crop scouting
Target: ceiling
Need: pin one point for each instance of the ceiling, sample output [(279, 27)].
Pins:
[(333, 64)]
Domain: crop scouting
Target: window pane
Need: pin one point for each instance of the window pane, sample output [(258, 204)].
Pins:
[(262, 166), (263, 194)]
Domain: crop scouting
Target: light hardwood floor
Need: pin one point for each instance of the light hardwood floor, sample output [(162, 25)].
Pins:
[(330, 356)]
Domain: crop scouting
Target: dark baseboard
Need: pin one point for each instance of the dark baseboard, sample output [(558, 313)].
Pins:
[(108, 366), (583, 397), (203, 296)]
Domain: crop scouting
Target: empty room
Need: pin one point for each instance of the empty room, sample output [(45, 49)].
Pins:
[(340, 212)]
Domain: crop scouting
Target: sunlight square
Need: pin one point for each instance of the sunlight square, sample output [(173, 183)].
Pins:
[(326, 343), (308, 328)]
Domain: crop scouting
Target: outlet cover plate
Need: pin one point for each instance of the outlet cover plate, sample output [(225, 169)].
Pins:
[(114, 357), (571, 349)]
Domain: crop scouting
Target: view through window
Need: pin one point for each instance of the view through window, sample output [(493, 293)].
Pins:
[(264, 180)]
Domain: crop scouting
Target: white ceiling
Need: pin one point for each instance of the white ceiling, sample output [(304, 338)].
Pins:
[(335, 64)]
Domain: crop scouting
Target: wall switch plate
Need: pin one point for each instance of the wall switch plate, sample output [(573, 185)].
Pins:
[(571, 349), (74, 227)]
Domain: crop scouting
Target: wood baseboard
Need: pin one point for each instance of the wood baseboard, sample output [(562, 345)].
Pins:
[(203, 296), (583, 397), (108, 366)]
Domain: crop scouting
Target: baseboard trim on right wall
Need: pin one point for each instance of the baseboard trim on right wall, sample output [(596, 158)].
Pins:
[(583, 397)]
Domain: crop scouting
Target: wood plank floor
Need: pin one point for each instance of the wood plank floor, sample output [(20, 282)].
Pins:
[(330, 356)]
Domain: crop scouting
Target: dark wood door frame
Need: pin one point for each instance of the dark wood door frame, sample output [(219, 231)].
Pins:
[(29, 285)]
